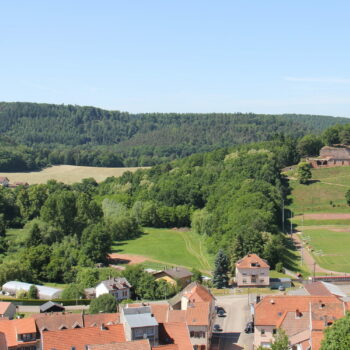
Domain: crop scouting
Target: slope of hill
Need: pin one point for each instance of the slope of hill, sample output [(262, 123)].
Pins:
[(142, 139), (323, 216)]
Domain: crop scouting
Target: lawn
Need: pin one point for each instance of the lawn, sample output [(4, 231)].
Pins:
[(330, 248), (169, 247), (324, 194)]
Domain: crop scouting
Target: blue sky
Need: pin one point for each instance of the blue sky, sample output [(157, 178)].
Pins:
[(178, 56)]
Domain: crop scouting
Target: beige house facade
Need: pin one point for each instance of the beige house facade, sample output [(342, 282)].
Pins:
[(252, 271)]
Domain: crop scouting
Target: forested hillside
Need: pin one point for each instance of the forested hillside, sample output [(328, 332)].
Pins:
[(36, 135)]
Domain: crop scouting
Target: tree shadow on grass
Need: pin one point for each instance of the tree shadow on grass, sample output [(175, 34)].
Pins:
[(290, 258)]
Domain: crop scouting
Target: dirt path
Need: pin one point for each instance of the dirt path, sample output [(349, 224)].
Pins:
[(308, 259)]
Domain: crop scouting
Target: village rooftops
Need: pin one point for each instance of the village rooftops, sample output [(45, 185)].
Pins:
[(80, 338), (130, 345), (251, 261), (138, 317), (178, 272), (116, 283)]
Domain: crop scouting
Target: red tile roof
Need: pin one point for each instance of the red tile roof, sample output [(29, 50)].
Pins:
[(160, 312), (4, 306), (199, 293), (178, 332), (271, 308), (80, 337), (166, 347), (316, 288), (130, 345), (249, 260), (10, 329), (198, 315)]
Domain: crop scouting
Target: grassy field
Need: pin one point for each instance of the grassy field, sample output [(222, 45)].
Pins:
[(330, 248), (327, 235), (66, 173), (169, 247)]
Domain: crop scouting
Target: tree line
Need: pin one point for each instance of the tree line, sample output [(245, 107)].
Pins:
[(38, 135)]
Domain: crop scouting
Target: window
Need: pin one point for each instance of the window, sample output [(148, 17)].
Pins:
[(263, 332), (261, 281), (262, 273), (244, 274), (274, 331)]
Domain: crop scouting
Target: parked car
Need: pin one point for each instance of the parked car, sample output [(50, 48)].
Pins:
[(217, 328), (281, 288), (249, 328), (221, 313)]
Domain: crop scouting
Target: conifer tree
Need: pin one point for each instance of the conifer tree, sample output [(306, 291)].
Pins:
[(220, 278)]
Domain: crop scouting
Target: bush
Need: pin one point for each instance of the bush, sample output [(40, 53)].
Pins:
[(279, 267), (105, 303)]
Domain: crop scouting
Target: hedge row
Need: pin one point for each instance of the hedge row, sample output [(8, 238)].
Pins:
[(39, 302)]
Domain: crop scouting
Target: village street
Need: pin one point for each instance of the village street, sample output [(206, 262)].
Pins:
[(232, 336)]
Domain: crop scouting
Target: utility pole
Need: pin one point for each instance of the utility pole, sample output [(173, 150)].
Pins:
[(283, 215)]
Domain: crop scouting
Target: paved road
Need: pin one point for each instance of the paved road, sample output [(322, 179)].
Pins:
[(36, 309), (238, 314)]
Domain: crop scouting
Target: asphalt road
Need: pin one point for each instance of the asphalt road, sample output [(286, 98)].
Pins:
[(232, 336)]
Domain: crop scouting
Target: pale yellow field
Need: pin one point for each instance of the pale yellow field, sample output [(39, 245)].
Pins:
[(66, 173)]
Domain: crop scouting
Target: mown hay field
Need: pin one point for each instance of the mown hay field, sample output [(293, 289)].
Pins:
[(68, 174), (169, 247)]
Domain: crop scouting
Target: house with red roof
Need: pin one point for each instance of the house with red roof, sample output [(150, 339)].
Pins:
[(7, 310), (303, 318), (252, 271)]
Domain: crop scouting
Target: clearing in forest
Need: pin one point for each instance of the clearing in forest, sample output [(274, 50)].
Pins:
[(68, 174), (322, 214), (168, 247)]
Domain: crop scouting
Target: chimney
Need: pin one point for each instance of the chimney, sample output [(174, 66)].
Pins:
[(298, 314), (103, 327), (272, 301)]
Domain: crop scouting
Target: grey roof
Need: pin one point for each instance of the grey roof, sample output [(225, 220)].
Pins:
[(48, 305), (334, 289), (44, 292), (280, 279), (116, 283), (178, 272), (141, 320)]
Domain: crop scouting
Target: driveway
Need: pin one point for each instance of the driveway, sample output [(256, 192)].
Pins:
[(232, 336)]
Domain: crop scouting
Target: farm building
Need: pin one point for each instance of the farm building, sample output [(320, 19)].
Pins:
[(13, 287), (176, 276), (50, 306), (331, 156)]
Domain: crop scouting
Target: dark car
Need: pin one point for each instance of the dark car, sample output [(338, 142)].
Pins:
[(217, 328), (249, 328), (221, 313)]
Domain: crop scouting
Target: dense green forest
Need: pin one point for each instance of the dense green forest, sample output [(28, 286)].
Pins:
[(36, 135), (232, 196)]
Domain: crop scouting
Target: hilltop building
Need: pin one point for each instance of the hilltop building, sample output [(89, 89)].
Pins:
[(331, 156), (252, 271)]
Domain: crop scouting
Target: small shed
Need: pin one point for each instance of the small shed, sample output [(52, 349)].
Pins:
[(50, 306), (285, 282), (44, 292)]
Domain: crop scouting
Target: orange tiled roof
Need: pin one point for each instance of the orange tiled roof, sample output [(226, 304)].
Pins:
[(160, 312), (316, 288), (249, 260), (96, 320), (271, 308), (178, 332), (177, 316), (129, 345), (58, 321), (10, 329), (4, 306), (316, 339), (166, 347), (198, 315), (80, 337), (199, 293)]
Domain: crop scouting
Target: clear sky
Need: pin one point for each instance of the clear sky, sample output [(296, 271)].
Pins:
[(178, 56)]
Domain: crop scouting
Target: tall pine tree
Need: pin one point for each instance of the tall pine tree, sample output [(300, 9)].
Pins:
[(220, 278)]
